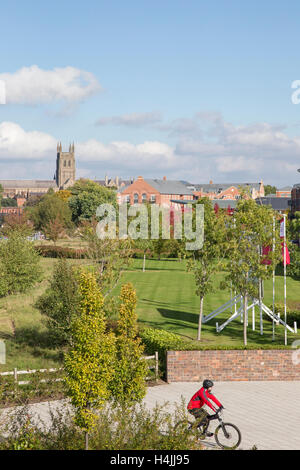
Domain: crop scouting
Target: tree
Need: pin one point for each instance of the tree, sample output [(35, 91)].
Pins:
[(19, 265), (9, 202), (60, 303), (110, 256), (206, 261), (49, 209), (294, 227), (89, 365), (270, 189), (17, 223), (128, 384), (54, 229), (86, 197), (250, 230)]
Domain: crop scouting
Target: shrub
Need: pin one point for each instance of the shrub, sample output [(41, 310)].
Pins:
[(49, 251), (292, 315), (162, 341), (129, 428)]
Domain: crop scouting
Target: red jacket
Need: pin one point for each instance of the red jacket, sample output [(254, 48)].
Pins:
[(202, 398)]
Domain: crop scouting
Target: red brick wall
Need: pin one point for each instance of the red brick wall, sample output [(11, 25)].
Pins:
[(194, 366)]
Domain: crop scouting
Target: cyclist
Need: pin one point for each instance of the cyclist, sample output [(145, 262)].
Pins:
[(200, 403)]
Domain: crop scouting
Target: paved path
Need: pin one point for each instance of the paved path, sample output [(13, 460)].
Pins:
[(267, 413)]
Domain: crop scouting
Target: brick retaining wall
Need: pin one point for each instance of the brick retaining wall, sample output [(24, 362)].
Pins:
[(230, 365)]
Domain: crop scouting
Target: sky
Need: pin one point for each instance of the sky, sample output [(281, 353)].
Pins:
[(192, 90)]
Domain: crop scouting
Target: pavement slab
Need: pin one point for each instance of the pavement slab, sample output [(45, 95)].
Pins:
[(267, 413)]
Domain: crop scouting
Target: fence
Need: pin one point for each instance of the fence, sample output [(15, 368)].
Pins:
[(15, 373)]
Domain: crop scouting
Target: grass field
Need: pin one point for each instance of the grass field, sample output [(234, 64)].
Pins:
[(166, 299)]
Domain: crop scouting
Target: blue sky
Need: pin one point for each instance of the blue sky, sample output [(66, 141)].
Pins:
[(192, 90)]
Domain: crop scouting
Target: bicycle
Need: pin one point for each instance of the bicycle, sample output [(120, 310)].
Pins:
[(227, 435)]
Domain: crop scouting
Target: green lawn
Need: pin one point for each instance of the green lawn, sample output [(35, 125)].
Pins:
[(166, 299)]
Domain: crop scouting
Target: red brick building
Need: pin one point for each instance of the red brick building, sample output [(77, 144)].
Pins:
[(155, 191)]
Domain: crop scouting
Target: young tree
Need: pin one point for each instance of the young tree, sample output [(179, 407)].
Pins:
[(60, 303), (128, 384), (110, 256), (89, 365), (205, 262), (250, 230), (54, 229), (20, 264)]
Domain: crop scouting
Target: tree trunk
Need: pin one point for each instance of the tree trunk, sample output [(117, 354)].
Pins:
[(200, 319), (86, 435), (144, 262), (245, 305)]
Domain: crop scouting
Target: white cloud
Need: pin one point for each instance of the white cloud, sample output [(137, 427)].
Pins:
[(33, 85), (17, 144), (132, 120), (224, 152)]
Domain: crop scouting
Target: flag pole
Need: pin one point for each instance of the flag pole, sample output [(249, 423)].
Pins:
[(273, 335), (284, 265)]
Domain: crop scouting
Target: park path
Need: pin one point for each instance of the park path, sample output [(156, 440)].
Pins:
[(267, 413)]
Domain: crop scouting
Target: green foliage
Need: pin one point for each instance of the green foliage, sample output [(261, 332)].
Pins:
[(126, 428), (270, 189), (162, 341), (17, 224), (293, 226), (60, 303), (9, 202), (49, 209), (86, 197), (293, 315), (109, 256), (293, 269), (89, 365), (128, 384), (19, 265)]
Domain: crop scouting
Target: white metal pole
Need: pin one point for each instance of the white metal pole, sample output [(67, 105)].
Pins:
[(273, 334), (253, 318), (284, 264)]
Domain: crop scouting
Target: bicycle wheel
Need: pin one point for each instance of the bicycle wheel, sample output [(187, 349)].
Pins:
[(228, 436)]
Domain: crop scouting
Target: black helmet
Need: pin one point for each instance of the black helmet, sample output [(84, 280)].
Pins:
[(207, 384)]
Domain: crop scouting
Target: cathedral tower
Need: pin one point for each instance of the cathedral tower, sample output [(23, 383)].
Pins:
[(65, 167)]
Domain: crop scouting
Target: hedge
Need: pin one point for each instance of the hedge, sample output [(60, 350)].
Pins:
[(163, 341), (292, 315), (49, 251)]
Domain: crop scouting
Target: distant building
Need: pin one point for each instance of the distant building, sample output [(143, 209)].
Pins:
[(227, 190), (64, 177), (280, 204), (295, 199), (155, 191), (284, 192)]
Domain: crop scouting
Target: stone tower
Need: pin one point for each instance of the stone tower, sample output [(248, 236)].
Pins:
[(65, 167)]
